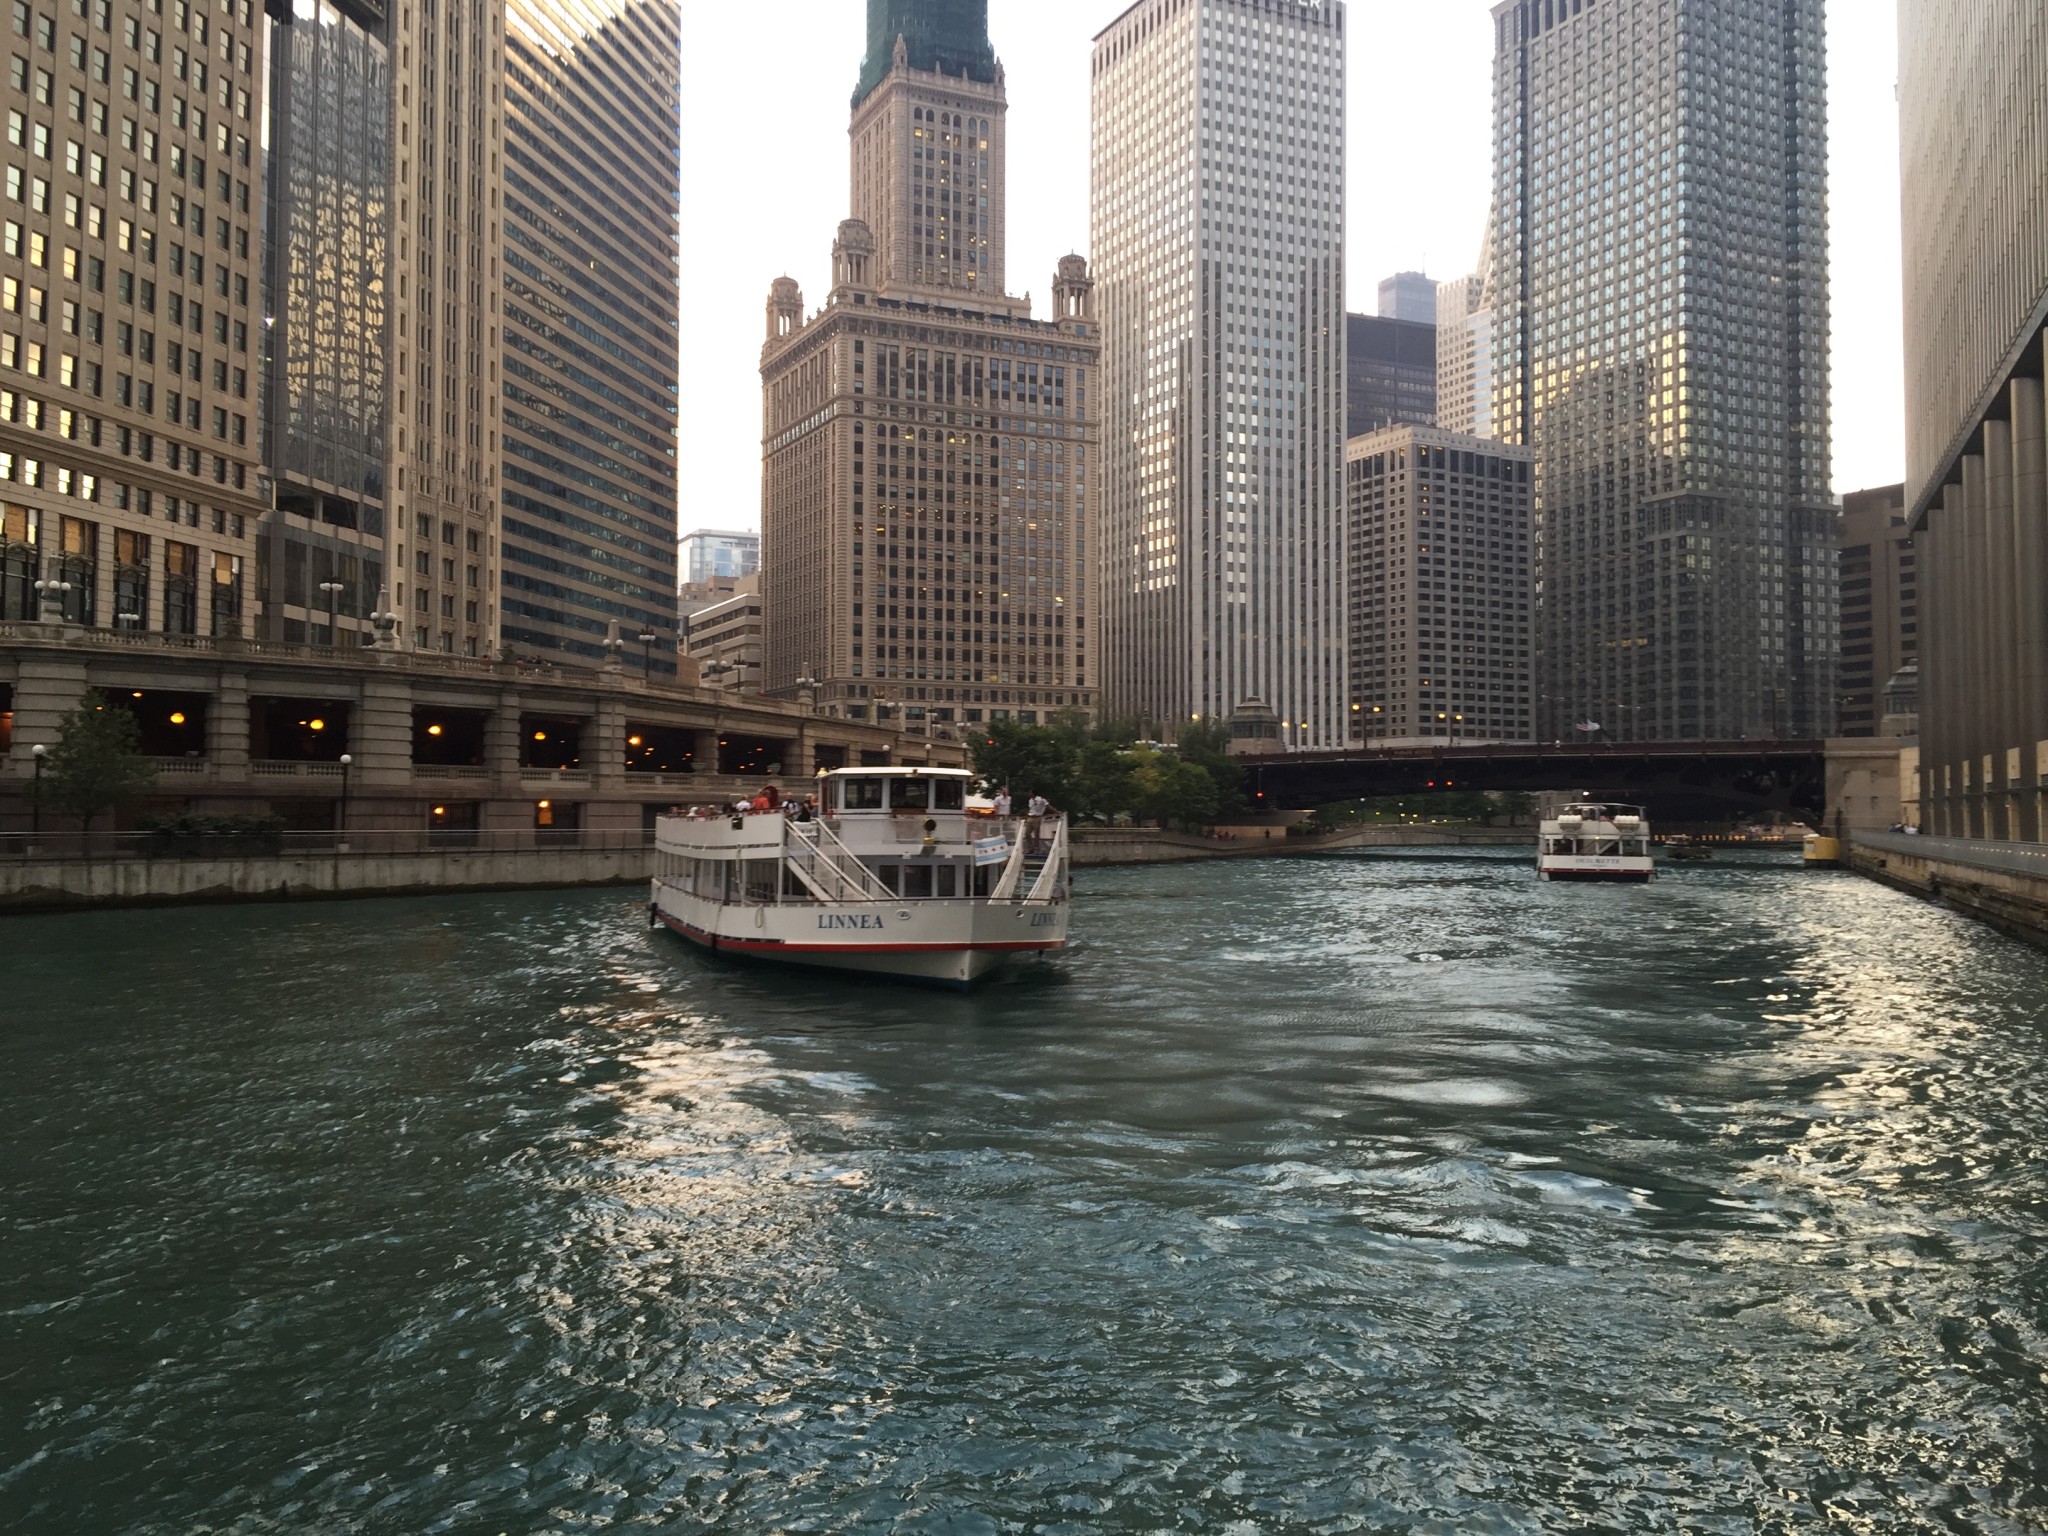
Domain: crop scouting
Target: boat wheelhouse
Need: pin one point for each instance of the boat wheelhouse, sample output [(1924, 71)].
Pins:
[(895, 875), (1596, 842)]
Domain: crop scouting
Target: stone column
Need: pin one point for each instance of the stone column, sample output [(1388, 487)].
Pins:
[(501, 741), (46, 689), (227, 727), (1973, 708), (2000, 602), (606, 749), (1952, 555), (380, 736), (2030, 569)]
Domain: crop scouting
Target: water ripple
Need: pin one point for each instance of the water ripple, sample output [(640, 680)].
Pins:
[(1377, 1195)]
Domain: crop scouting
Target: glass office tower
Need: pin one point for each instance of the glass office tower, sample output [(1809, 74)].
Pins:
[(326, 250), (588, 522), (1218, 218), (1659, 276)]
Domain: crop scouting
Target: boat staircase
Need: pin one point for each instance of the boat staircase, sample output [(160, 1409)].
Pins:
[(827, 868), (1035, 874)]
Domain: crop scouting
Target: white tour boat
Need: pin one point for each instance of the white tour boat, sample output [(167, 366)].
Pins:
[(1596, 842), (895, 876)]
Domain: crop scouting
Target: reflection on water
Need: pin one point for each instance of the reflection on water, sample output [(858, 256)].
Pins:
[(1370, 1194)]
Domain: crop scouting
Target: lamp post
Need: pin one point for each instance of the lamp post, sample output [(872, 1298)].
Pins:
[(35, 798), (341, 840), (647, 639), (384, 623), (51, 599), (128, 620), (333, 589), (710, 670)]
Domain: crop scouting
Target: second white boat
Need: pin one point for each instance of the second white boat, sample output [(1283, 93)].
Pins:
[(1596, 842)]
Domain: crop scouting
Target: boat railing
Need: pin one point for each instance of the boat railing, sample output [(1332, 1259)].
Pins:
[(1051, 881), (835, 874)]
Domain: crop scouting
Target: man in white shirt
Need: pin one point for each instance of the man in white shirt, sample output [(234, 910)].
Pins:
[(1035, 809), (1003, 803)]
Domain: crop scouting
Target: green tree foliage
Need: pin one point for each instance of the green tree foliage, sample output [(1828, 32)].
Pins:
[(1028, 760), (1517, 805), (1206, 744), (1170, 791), (97, 765), (1102, 783), (1097, 773)]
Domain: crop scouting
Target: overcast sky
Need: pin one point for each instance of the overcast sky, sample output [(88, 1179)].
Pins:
[(765, 181)]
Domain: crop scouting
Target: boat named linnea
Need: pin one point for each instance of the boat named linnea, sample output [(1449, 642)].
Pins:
[(1596, 842), (895, 876)]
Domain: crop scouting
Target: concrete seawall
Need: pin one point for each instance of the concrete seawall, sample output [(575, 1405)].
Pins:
[(1097, 846), (2003, 884), (29, 885), (45, 885)]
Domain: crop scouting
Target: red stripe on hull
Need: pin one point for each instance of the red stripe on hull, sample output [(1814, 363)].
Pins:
[(777, 946)]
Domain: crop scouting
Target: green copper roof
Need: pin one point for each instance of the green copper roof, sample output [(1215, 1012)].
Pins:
[(947, 36)]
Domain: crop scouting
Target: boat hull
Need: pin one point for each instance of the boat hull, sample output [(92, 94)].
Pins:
[(953, 944), (1624, 871)]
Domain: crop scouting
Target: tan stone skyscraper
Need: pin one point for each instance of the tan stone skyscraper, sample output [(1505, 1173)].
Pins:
[(927, 452), (130, 315), (1973, 130)]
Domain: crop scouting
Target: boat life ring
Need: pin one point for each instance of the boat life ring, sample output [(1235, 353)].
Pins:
[(903, 915)]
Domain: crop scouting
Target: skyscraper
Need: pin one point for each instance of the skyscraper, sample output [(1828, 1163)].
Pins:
[(321, 557), (928, 445), (1464, 356), (1218, 216), (1440, 588), (130, 316), (1408, 296), (448, 64), (590, 354), (708, 553), (1973, 108), (1880, 603), (1390, 373), (1659, 276)]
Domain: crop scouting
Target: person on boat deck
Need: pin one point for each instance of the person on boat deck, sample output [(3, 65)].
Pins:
[(808, 810), (770, 799), (1003, 803), (1035, 809)]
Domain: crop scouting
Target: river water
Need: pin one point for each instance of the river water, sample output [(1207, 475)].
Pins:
[(1388, 1194)]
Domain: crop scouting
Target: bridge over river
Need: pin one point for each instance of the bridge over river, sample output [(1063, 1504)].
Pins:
[(1678, 781)]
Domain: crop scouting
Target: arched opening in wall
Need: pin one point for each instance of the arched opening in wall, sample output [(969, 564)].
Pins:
[(448, 738), (167, 723), (289, 730)]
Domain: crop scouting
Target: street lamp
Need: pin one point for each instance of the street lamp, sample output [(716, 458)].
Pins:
[(128, 620), (647, 639), (35, 798), (333, 589), (341, 841), (717, 669), (52, 594)]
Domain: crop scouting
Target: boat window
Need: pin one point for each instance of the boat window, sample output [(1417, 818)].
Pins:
[(891, 876), (911, 794), (917, 880), (949, 794), (944, 888), (862, 794)]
